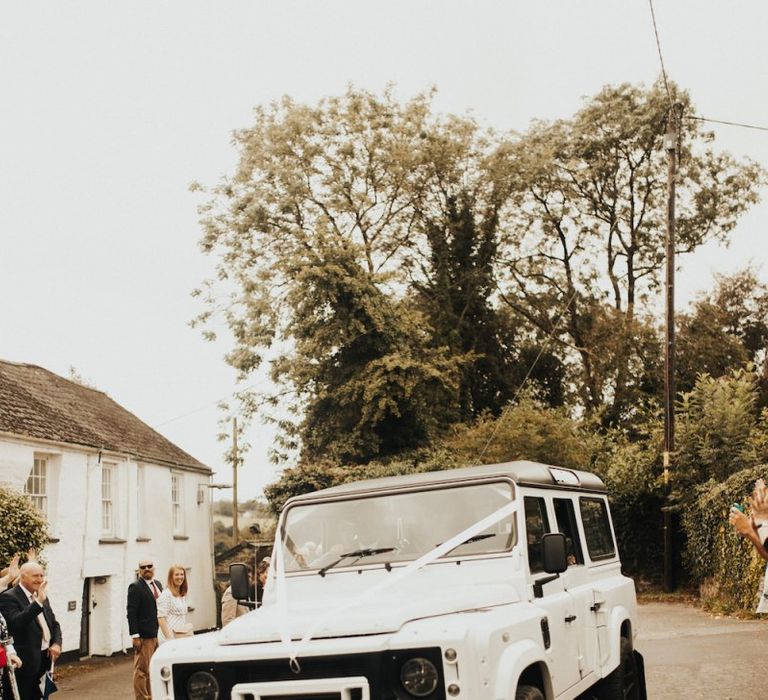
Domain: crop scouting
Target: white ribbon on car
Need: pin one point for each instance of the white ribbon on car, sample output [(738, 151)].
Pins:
[(396, 577)]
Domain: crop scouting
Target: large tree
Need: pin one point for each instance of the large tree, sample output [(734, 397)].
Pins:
[(320, 233), (585, 237)]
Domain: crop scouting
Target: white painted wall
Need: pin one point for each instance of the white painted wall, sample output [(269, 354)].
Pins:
[(143, 523)]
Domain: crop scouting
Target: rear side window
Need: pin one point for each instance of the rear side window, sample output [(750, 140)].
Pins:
[(536, 524), (566, 523), (597, 528)]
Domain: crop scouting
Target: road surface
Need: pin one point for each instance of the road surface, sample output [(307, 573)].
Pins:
[(692, 655), (689, 655)]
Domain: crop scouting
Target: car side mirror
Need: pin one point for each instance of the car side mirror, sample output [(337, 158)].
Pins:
[(553, 553), (238, 579)]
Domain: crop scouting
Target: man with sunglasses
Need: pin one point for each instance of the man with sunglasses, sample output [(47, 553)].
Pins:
[(142, 625)]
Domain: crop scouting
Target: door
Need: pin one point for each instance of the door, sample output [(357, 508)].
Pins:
[(85, 619), (556, 603), (576, 580)]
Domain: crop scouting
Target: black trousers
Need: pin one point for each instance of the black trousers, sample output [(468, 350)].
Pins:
[(29, 685)]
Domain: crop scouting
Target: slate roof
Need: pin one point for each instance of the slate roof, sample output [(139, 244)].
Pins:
[(39, 404)]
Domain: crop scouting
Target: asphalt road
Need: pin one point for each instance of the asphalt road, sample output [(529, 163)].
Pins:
[(689, 655), (692, 655)]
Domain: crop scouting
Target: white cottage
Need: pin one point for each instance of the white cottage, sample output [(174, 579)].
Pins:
[(114, 491)]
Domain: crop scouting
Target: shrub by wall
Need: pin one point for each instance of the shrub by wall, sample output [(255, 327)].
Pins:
[(21, 526), (724, 564)]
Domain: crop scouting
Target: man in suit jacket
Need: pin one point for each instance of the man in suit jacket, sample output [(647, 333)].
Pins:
[(142, 625), (33, 626)]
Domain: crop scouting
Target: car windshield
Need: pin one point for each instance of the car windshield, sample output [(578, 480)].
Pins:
[(395, 527)]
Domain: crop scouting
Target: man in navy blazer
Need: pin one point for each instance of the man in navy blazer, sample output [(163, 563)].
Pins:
[(33, 626), (143, 625)]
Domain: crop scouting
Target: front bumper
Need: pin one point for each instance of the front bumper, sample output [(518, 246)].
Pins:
[(360, 676)]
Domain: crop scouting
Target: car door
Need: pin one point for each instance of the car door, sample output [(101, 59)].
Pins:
[(557, 605), (577, 580)]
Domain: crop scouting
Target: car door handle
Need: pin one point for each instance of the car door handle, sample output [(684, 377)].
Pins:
[(570, 618), (596, 606)]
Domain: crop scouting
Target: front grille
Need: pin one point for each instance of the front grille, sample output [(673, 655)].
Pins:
[(381, 669), (322, 696)]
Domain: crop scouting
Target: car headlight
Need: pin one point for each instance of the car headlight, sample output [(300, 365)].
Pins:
[(419, 677), (202, 686)]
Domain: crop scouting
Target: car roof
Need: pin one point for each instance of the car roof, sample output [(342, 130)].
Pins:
[(522, 472)]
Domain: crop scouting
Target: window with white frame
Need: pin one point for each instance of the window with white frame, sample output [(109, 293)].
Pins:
[(108, 499), (141, 502), (36, 487), (177, 500)]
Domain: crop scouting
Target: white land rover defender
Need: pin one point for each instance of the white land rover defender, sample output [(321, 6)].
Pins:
[(497, 582)]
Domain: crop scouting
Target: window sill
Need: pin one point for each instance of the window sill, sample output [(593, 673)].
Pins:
[(112, 540), (143, 539), (181, 537)]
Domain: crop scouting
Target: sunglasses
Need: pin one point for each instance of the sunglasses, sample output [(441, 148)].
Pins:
[(146, 566)]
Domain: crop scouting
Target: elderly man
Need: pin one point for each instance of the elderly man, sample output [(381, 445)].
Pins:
[(33, 626), (142, 625)]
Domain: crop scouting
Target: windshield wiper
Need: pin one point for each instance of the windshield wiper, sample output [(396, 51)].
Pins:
[(470, 540), (359, 553)]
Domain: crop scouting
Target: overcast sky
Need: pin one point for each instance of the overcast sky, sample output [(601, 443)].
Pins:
[(109, 110)]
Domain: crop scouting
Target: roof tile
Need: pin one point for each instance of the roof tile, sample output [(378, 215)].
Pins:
[(40, 404)]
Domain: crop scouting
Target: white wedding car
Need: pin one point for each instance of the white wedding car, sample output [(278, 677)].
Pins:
[(498, 582)]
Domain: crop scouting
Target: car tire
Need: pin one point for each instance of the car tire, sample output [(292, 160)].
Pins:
[(623, 682), (528, 692)]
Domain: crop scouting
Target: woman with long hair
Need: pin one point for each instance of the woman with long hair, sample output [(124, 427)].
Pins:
[(172, 606)]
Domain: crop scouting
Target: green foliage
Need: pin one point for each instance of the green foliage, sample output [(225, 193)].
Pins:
[(724, 330), (23, 525), (715, 555), (526, 430), (718, 431), (630, 465), (317, 240)]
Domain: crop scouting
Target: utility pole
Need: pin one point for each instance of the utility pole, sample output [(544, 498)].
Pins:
[(235, 528), (670, 145)]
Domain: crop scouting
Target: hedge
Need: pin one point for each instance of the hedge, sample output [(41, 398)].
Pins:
[(725, 565)]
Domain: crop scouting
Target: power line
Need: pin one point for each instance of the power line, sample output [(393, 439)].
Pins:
[(527, 376), (721, 121), (661, 57), (669, 94), (208, 405)]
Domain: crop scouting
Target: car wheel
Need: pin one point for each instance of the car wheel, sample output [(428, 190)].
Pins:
[(623, 682), (528, 692)]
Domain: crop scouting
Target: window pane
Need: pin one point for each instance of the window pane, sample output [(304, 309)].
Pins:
[(106, 499), (536, 524), (176, 497), (597, 528), (566, 523), (318, 534), (35, 487)]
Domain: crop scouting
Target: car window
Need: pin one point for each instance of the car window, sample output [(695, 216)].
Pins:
[(536, 525), (395, 527), (597, 528), (566, 523)]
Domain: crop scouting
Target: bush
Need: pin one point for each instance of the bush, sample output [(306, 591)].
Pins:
[(725, 565), (526, 430), (631, 470), (23, 525), (718, 427)]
